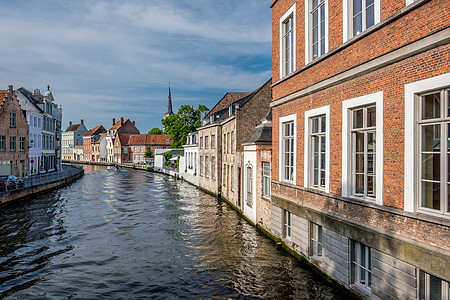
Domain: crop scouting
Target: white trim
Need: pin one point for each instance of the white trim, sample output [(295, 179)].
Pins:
[(408, 2), (290, 11), (346, 18), (307, 30), (376, 98), (441, 81), (324, 110), (284, 119)]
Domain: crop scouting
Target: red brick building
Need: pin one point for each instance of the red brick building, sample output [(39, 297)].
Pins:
[(359, 180), (89, 140), (13, 135), (138, 145)]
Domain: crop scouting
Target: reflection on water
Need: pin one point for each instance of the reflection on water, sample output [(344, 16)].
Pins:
[(126, 234)]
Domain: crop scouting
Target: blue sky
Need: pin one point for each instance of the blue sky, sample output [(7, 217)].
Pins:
[(112, 59)]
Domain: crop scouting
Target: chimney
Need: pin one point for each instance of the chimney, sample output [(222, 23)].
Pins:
[(114, 121), (70, 123), (121, 121), (82, 121), (10, 89), (134, 123)]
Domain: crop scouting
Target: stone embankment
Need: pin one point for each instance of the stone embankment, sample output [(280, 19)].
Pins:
[(39, 184)]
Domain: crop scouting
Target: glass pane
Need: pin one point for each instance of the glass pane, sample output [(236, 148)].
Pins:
[(359, 163), (431, 195), (315, 3), (357, 24), (322, 45), (319, 239), (369, 3), (357, 6), (448, 109), (448, 137), (435, 288), (359, 141), (359, 188), (421, 285), (431, 166), (322, 161), (316, 161), (323, 124), (322, 13), (431, 106), (371, 164), (316, 177), (322, 143), (322, 178), (370, 16), (431, 138), (371, 137), (315, 19), (371, 116), (358, 118), (315, 125), (315, 33), (371, 186)]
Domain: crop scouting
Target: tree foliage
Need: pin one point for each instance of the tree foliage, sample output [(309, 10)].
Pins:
[(186, 120), (155, 130), (148, 152)]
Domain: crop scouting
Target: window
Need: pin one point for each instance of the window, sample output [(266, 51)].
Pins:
[(206, 166), (266, 179), (434, 151), (224, 179), (232, 178), (315, 243), (288, 146), (2, 143), (135, 149), (317, 149), (12, 119), (431, 287), (361, 265), (232, 142), (22, 144), (206, 142), (12, 143), (228, 143), (287, 224), (224, 143), (201, 165), (416, 95), (287, 42), (249, 186), (213, 168), (360, 15), (363, 147), (316, 23), (201, 142), (213, 142)]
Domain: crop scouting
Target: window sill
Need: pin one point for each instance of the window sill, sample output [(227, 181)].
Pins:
[(365, 292), (265, 198)]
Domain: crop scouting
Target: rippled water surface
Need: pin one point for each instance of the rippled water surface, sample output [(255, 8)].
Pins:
[(124, 234)]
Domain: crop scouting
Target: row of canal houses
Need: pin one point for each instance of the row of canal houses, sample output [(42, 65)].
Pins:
[(121, 143), (344, 155), (30, 132)]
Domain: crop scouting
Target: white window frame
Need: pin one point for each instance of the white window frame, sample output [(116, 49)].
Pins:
[(314, 240), (249, 185), (357, 265), (411, 190), (287, 224), (423, 282), (285, 119), (324, 110), (266, 175), (347, 106), (287, 15), (308, 31), (348, 18)]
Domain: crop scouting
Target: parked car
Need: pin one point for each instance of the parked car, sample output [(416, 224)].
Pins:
[(11, 182)]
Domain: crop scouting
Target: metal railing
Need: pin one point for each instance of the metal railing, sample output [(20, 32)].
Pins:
[(35, 180)]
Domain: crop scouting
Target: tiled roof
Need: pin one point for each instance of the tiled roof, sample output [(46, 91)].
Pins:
[(73, 127), (124, 138), (226, 100), (149, 139), (3, 94), (96, 130), (118, 125)]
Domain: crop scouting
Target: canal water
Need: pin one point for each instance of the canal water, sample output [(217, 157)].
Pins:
[(127, 234)]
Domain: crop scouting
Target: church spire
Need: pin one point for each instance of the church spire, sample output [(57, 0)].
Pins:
[(169, 105)]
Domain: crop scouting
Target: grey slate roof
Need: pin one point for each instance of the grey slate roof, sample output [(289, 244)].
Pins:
[(263, 132)]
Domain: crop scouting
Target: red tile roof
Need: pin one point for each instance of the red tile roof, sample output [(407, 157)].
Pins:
[(226, 100), (123, 138), (3, 94), (118, 125), (149, 139), (96, 130)]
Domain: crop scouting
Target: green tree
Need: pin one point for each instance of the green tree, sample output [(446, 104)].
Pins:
[(148, 152), (167, 156), (186, 120), (155, 130)]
